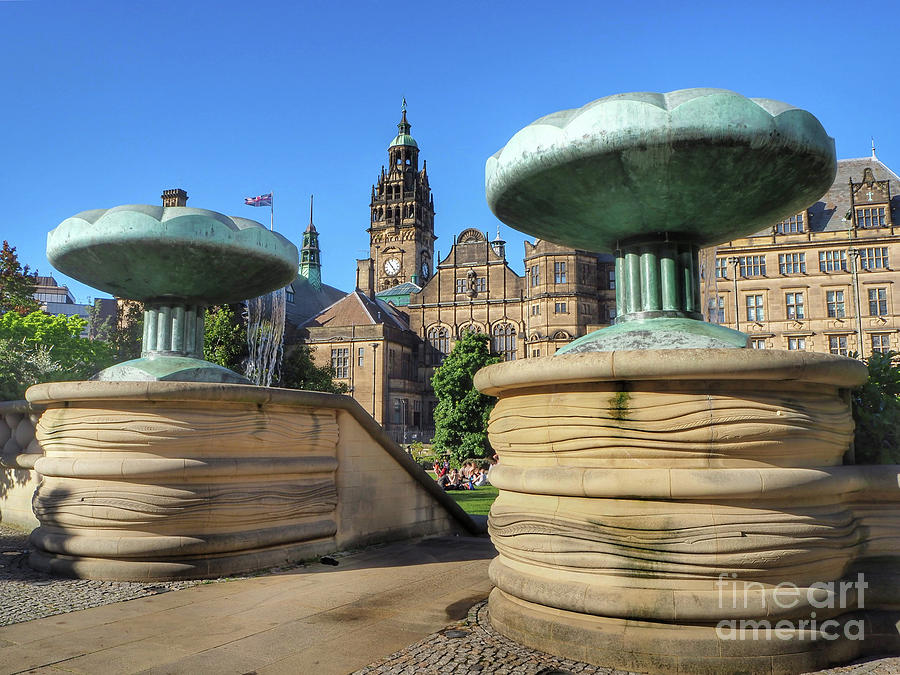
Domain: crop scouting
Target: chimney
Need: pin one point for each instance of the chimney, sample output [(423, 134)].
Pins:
[(365, 277), (176, 197)]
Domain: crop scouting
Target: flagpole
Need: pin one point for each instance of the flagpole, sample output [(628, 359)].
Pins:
[(272, 203)]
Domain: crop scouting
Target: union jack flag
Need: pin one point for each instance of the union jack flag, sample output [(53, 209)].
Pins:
[(261, 200)]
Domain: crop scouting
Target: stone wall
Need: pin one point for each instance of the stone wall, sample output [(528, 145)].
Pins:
[(168, 480)]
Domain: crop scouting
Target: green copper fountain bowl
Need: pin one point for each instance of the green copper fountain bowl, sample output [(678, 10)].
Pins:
[(147, 253), (706, 165)]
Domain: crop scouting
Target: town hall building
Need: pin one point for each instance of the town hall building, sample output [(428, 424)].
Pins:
[(821, 280)]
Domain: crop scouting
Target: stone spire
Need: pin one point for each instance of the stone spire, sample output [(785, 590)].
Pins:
[(310, 261)]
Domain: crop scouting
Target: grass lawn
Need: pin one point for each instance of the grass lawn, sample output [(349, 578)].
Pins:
[(475, 502)]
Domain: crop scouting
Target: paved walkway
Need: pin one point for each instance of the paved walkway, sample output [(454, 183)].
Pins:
[(404, 608), (315, 619)]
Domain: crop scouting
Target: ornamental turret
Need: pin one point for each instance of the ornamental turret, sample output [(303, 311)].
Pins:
[(310, 261)]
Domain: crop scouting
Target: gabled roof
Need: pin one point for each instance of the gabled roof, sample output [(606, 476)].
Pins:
[(356, 309), (826, 214), (309, 300)]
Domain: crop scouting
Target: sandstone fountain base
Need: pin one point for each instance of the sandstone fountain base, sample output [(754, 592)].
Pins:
[(172, 480), (690, 511)]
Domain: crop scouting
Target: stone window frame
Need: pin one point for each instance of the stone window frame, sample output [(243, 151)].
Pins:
[(797, 343), (504, 340), (837, 344), (438, 337), (717, 309), (794, 306), (792, 225), (757, 343), (559, 272), (883, 340), (874, 258), (721, 268), (835, 307), (755, 264), (340, 362), (755, 311), (833, 260), (792, 263), (878, 301), (871, 217), (560, 308)]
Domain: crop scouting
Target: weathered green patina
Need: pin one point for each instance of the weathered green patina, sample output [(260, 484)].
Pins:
[(654, 177), (177, 260)]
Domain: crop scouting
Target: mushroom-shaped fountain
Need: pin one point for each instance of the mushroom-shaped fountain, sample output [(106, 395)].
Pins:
[(177, 260), (660, 483), (169, 467)]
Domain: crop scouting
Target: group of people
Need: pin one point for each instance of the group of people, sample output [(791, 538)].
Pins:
[(469, 477)]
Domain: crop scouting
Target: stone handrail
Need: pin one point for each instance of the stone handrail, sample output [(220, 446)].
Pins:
[(269, 396)]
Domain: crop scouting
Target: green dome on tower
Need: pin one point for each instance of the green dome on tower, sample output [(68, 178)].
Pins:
[(403, 137)]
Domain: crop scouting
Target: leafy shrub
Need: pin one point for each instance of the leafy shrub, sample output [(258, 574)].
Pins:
[(38, 347), (876, 411)]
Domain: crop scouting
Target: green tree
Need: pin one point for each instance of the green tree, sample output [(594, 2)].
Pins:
[(38, 347), (17, 284), (462, 412), (299, 371), (876, 411), (124, 332), (225, 338)]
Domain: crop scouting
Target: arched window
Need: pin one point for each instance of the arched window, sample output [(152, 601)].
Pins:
[(504, 341), (439, 338), (470, 328)]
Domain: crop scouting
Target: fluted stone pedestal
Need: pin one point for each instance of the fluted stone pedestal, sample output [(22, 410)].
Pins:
[(652, 501)]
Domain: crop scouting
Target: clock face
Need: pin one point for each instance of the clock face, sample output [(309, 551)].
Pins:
[(391, 266), (425, 269)]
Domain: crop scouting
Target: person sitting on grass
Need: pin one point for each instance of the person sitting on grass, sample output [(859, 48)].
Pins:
[(454, 481), (481, 476), (440, 469)]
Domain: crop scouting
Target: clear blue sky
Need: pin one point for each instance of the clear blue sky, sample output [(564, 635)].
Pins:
[(109, 103)]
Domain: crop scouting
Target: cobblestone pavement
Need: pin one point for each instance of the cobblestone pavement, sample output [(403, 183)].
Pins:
[(468, 647), (473, 647), (26, 594)]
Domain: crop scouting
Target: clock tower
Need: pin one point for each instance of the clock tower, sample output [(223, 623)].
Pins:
[(401, 231)]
